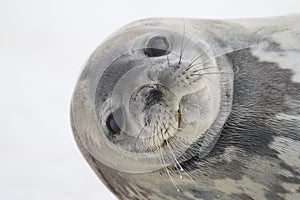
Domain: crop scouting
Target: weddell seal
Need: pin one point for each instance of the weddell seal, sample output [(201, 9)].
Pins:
[(188, 109)]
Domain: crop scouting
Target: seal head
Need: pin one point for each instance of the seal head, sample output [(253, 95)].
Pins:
[(205, 109), (158, 95)]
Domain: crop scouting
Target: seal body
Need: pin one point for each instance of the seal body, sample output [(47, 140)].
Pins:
[(194, 109)]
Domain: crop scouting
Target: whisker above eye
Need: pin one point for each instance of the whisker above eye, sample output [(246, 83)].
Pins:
[(138, 136), (192, 63), (182, 40), (211, 73), (205, 68)]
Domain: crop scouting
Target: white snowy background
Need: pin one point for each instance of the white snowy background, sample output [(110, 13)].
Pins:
[(43, 44)]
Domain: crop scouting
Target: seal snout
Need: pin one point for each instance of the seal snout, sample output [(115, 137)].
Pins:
[(156, 109), (155, 96)]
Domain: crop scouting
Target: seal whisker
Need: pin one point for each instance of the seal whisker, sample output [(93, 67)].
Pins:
[(208, 73), (140, 133), (182, 40), (218, 55), (205, 68), (198, 57), (174, 157), (175, 138), (192, 64), (188, 41), (177, 161), (195, 64), (167, 169)]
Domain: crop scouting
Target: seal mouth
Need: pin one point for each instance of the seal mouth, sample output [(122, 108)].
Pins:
[(168, 140)]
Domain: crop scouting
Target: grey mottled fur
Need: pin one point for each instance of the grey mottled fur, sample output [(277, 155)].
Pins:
[(257, 155)]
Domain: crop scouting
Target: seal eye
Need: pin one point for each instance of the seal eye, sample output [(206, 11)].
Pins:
[(157, 46), (112, 125)]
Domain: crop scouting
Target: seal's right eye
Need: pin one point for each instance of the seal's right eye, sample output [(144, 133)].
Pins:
[(157, 46), (112, 125)]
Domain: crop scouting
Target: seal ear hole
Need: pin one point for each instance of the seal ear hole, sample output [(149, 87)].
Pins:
[(157, 46)]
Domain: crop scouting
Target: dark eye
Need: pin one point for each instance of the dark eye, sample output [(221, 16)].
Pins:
[(113, 123), (157, 46)]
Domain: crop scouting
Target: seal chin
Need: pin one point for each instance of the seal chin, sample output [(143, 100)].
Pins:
[(150, 106)]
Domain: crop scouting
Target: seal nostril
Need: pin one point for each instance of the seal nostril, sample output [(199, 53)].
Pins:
[(157, 46), (154, 96)]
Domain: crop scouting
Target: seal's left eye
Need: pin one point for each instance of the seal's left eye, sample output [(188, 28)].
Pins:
[(112, 125), (157, 46), (114, 122)]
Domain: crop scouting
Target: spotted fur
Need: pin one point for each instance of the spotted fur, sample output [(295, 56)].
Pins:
[(257, 155)]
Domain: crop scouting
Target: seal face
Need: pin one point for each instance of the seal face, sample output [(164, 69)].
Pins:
[(166, 110), (159, 94)]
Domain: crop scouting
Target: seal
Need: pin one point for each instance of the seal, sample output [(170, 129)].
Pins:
[(171, 108)]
